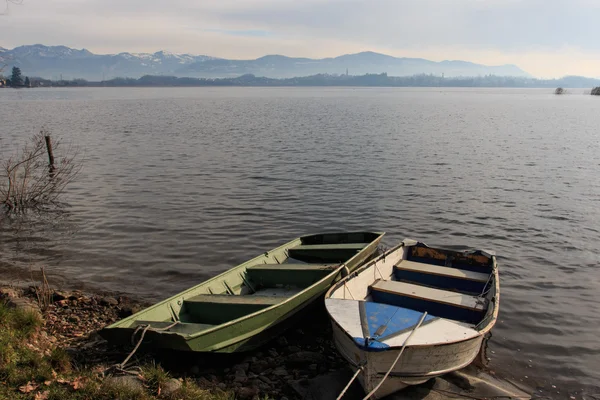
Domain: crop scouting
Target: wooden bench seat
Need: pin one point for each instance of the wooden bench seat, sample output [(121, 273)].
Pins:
[(298, 275), (323, 253), (441, 277), (220, 308), (248, 299), (441, 303)]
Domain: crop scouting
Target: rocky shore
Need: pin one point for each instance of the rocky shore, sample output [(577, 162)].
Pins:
[(300, 364), (280, 370)]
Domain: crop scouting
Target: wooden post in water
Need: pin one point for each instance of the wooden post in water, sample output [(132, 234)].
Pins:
[(50, 155)]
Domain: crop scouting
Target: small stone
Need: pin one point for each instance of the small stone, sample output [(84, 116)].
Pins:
[(240, 376), (292, 349), (284, 398), (282, 341), (246, 393), (126, 311), (74, 318), (21, 303), (313, 367), (306, 357), (109, 301), (265, 380), (252, 375), (222, 386), (170, 387), (280, 372), (204, 383), (244, 367), (273, 353), (9, 293), (128, 382), (195, 370), (260, 366)]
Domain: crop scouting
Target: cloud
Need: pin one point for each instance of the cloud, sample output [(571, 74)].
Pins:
[(546, 38)]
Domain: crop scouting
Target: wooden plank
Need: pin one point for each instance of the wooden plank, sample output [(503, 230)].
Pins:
[(435, 295), (442, 271), (331, 246), (240, 299), (293, 267)]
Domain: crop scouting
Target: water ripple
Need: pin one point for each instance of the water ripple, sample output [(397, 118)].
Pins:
[(181, 184)]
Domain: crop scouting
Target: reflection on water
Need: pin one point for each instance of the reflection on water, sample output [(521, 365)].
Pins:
[(181, 184)]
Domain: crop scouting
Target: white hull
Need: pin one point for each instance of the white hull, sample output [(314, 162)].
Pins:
[(417, 365), (435, 315)]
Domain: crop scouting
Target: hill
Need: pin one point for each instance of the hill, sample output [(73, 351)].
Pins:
[(56, 61)]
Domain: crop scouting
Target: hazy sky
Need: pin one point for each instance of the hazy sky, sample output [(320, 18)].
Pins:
[(547, 38)]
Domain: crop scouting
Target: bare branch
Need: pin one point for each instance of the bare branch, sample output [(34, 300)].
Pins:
[(17, 2), (27, 182)]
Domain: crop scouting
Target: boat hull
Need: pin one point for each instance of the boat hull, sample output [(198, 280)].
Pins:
[(417, 365), (404, 313), (214, 325)]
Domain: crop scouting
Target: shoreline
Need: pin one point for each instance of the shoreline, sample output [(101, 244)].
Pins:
[(72, 318), (302, 363)]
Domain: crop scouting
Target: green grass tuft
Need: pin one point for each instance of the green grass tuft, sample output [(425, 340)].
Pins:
[(155, 377), (25, 322), (60, 360)]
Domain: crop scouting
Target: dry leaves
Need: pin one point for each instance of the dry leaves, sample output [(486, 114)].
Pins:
[(42, 395), (30, 387), (78, 383)]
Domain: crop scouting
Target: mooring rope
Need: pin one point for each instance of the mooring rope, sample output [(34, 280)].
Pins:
[(358, 370), (144, 328), (397, 358)]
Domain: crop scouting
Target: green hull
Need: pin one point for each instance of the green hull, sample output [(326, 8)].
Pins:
[(246, 306)]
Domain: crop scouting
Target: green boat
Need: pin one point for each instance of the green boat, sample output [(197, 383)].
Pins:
[(246, 306)]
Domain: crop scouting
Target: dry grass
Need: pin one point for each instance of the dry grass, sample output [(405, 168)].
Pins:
[(48, 373)]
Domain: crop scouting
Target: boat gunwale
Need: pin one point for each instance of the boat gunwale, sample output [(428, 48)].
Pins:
[(493, 302), (188, 337)]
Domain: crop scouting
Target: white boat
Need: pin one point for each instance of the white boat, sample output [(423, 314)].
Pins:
[(413, 313)]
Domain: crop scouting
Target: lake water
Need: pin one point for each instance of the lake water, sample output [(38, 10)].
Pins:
[(180, 184)]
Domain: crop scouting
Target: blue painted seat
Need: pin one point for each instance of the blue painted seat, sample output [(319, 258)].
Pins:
[(443, 303), (441, 277)]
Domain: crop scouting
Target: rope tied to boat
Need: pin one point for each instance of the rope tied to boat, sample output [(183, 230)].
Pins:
[(358, 370), (144, 328), (361, 367)]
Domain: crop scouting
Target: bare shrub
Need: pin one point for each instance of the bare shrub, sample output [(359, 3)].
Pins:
[(596, 91), (42, 289), (27, 180), (559, 91)]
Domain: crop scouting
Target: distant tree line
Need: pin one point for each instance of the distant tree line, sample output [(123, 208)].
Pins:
[(422, 80), (16, 79)]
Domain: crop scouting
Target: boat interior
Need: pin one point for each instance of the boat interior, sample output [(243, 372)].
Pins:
[(262, 282), (393, 292)]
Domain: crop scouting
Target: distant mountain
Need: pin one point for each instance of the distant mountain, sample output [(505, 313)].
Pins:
[(56, 61), (277, 66)]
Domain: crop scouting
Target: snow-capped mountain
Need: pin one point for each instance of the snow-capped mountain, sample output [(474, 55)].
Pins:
[(56, 61)]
